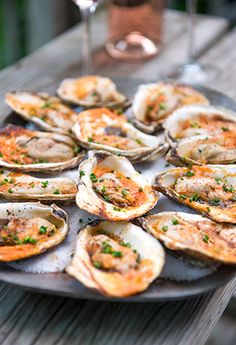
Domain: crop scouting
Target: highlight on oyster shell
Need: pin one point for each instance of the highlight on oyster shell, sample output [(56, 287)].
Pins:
[(194, 235), (26, 150), (195, 120), (208, 189), (202, 149), (28, 229), (153, 103), (103, 129), (90, 91), (16, 186), (112, 189), (117, 259), (47, 112)]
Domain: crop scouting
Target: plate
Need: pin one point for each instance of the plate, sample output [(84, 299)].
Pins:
[(161, 290)]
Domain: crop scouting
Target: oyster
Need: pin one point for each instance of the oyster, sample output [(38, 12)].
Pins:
[(90, 91), (153, 103), (116, 259), (102, 129), (198, 120), (43, 110), (26, 150), (202, 149), (16, 186), (110, 188), (208, 189), (194, 235), (28, 229)]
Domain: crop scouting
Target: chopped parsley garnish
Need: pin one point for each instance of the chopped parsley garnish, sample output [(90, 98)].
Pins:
[(190, 173), (162, 106), (150, 108), (76, 149), (218, 180), (10, 190), (42, 230), (97, 264), (47, 104), (1, 155), (208, 209), (195, 125), (165, 228), (90, 140), (117, 254), (228, 188), (225, 129), (81, 173), (183, 196), (138, 141), (116, 208), (103, 189), (167, 165), (205, 238), (44, 184), (194, 197), (57, 191), (124, 192), (215, 202), (125, 244), (32, 185), (93, 177), (106, 198), (29, 239), (175, 221)]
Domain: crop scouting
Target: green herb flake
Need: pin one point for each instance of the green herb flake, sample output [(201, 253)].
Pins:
[(29, 240), (194, 197), (10, 190), (76, 149), (44, 184), (42, 230), (175, 221), (138, 141), (47, 104), (57, 191), (205, 238), (165, 228), (124, 192), (162, 106), (184, 197), (116, 208), (208, 209), (103, 189), (225, 129), (190, 173), (81, 173), (97, 264), (117, 254), (106, 198), (125, 244), (215, 202), (93, 177), (90, 140), (229, 189), (218, 180)]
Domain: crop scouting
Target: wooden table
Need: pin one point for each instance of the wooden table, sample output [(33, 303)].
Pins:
[(29, 318)]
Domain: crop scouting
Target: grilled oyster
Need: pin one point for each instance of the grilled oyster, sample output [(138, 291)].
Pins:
[(110, 188), (16, 187), (195, 120), (153, 103), (103, 129), (194, 235), (208, 189), (202, 149), (90, 91), (43, 110), (28, 229), (27, 150), (116, 259)]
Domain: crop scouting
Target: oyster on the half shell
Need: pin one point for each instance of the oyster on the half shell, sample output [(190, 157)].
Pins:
[(92, 91), (16, 186), (45, 111), (28, 229), (103, 129), (153, 103), (208, 189), (194, 235), (25, 150), (112, 189), (198, 120), (117, 259)]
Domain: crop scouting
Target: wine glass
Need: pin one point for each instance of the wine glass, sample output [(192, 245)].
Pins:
[(86, 8), (193, 71)]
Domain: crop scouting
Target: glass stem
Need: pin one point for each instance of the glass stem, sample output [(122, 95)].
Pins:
[(191, 9), (86, 51)]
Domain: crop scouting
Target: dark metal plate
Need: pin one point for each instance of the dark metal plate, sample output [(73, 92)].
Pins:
[(161, 290)]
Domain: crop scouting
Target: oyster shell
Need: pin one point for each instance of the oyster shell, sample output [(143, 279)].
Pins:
[(102, 129), (117, 259), (43, 110), (28, 229), (194, 235), (153, 103), (92, 91), (110, 188), (202, 149), (18, 187), (195, 120), (208, 189), (25, 150)]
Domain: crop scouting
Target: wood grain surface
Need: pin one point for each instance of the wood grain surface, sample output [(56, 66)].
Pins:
[(29, 319)]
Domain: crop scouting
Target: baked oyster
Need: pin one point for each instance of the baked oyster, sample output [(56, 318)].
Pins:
[(194, 235), (92, 91), (117, 259), (26, 150), (195, 120), (47, 112), (16, 186), (210, 190), (202, 149), (153, 103), (112, 189), (103, 129), (28, 229)]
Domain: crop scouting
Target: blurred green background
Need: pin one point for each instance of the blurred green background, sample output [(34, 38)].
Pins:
[(25, 25)]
